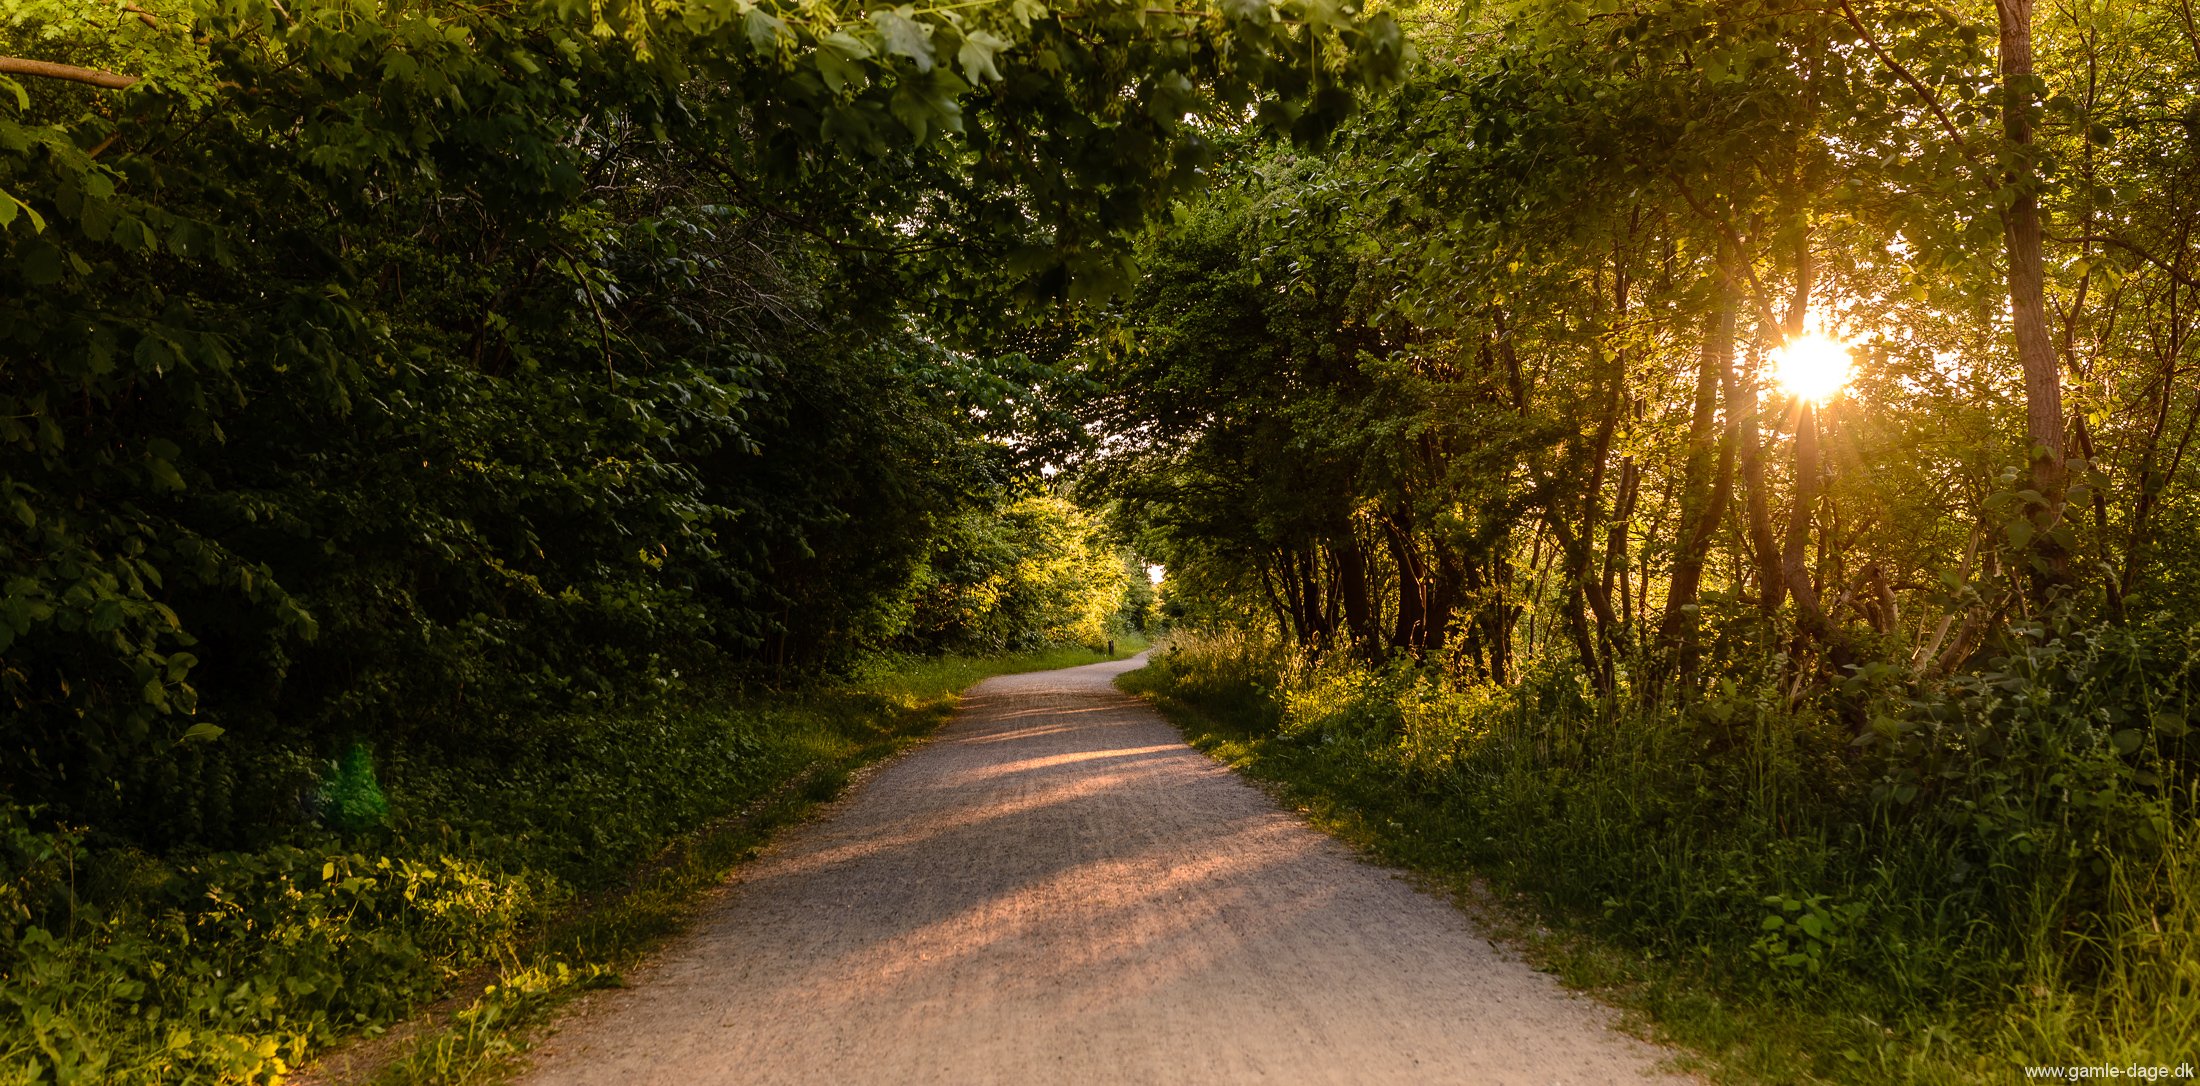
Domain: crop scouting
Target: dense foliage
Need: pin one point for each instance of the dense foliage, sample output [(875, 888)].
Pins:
[(387, 372), (388, 385), (1491, 437)]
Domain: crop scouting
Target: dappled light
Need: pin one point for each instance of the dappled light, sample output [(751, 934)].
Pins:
[(1052, 760), (1722, 472), (1721, 476), (1091, 903)]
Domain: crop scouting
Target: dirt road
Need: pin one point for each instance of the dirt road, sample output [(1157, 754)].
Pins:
[(1057, 889)]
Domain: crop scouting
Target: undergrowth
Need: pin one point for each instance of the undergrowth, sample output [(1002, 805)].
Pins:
[(1883, 884), (546, 868)]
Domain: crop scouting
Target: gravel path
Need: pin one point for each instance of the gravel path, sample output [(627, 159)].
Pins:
[(1057, 889)]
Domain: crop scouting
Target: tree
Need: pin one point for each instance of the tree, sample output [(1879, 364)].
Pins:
[(410, 369)]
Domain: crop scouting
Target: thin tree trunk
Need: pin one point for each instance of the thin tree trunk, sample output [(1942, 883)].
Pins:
[(2043, 412), (1412, 590), (1708, 476), (1794, 559), (2152, 481), (1498, 614), (1359, 609), (1742, 406), (1615, 543)]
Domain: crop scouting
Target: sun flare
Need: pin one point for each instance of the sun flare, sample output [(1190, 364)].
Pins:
[(1813, 366)]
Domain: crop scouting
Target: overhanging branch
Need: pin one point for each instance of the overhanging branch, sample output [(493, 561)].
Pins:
[(46, 69), (1924, 93)]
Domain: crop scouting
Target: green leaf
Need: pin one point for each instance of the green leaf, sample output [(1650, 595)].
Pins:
[(153, 354), (976, 56), (839, 71), (164, 473), (2128, 740), (905, 37), (847, 45), (201, 733), (765, 30), (40, 264)]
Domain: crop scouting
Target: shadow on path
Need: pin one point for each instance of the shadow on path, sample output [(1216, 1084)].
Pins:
[(1057, 889)]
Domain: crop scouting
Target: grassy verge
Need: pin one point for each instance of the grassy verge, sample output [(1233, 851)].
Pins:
[(515, 877), (1399, 829), (838, 730), (1737, 898), (833, 732)]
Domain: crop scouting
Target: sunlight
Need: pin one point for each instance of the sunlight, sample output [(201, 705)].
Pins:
[(1813, 366)]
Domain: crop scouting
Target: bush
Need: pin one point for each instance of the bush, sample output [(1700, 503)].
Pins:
[(230, 967)]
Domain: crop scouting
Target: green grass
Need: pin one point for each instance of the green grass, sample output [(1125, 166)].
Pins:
[(1391, 827), (825, 735), (1638, 865), (499, 877)]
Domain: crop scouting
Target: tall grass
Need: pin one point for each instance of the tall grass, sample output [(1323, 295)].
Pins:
[(1885, 882)]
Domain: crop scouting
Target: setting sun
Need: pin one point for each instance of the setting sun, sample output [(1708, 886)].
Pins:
[(1812, 366)]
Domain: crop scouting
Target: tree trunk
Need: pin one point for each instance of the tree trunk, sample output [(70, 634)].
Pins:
[(1614, 584), (1794, 564), (1574, 558), (1286, 611), (1359, 609), (1446, 574), (1310, 596), (1743, 412), (1707, 478), (1412, 591), (2043, 413)]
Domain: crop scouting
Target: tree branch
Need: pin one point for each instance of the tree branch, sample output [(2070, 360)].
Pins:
[(46, 69), (1931, 100), (603, 328), (1725, 227), (2169, 269)]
